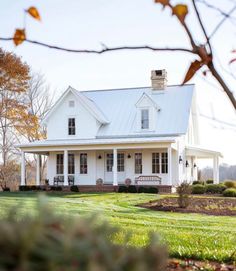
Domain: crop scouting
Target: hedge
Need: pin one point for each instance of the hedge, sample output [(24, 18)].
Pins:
[(198, 189), (215, 188), (229, 192)]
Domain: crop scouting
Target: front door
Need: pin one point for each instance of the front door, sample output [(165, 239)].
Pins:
[(109, 167)]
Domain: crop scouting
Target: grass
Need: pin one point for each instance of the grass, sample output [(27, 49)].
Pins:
[(187, 235)]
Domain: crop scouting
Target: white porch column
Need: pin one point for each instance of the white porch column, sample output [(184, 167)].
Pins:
[(65, 167), (22, 168), (169, 166), (38, 169), (216, 169), (115, 167)]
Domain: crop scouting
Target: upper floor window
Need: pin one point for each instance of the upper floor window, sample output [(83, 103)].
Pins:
[(71, 126), (144, 119)]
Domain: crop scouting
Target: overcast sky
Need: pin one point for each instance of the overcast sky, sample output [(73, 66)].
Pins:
[(89, 23)]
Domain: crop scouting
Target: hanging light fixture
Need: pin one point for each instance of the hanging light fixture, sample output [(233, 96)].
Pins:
[(194, 165), (129, 156), (180, 160), (186, 164), (99, 156)]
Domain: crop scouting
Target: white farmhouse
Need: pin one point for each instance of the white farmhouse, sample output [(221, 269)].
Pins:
[(146, 134)]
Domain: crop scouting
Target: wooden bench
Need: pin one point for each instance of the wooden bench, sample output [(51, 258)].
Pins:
[(59, 180), (148, 178)]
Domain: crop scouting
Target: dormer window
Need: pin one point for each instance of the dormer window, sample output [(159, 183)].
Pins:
[(71, 126), (144, 119)]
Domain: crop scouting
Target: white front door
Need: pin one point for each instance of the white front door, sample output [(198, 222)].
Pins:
[(109, 167)]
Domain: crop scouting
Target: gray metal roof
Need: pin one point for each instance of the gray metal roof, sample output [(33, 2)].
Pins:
[(118, 105)]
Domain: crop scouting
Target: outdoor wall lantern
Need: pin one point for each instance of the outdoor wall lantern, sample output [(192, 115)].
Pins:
[(186, 164), (180, 160), (99, 156), (194, 165), (129, 156)]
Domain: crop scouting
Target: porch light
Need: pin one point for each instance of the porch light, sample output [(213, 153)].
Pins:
[(180, 160), (99, 156), (194, 165), (129, 156), (186, 164)]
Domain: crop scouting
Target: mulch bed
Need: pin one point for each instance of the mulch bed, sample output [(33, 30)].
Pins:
[(188, 265), (202, 205)]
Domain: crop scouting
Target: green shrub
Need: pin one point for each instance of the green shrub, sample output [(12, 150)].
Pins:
[(230, 184), (56, 188), (142, 189), (6, 189), (48, 242), (184, 190), (24, 188), (132, 189), (152, 190), (122, 189), (229, 192), (198, 189), (197, 182), (209, 181), (74, 188), (215, 188)]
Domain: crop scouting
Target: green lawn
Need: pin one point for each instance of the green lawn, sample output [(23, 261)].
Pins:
[(187, 235)]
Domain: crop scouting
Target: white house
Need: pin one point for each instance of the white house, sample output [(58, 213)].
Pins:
[(117, 134)]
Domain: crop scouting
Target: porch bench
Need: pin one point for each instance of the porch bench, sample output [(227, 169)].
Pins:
[(147, 178)]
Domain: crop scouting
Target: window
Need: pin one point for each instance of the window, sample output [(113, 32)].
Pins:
[(60, 164), (71, 103), (71, 126), (109, 162), (71, 163), (164, 162), (120, 162), (83, 163), (145, 119), (138, 163), (156, 162)]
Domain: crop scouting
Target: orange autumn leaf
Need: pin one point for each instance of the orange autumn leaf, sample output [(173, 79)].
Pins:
[(180, 11), (19, 36), (194, 67), (34, 13), (163, 2)]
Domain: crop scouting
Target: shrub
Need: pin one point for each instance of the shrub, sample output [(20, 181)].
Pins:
[(215, 188), (142, 189), (152, 190), (56, 188), (230, 184), (6, 189), (229, 192), (198, 189), (24, 188), (132, 189), (197, 182), (74, 188), (184, 190), (209, 181), (122, 189), (49, 242)]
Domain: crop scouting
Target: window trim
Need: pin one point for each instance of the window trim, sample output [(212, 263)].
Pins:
[(71, 127)]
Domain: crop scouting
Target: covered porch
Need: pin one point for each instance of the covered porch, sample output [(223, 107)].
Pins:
[(111, 164)]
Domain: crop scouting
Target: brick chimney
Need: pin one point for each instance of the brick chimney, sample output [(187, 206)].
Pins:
[(159, 79)]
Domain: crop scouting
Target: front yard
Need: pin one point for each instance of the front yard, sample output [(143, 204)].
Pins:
[(187, 235)]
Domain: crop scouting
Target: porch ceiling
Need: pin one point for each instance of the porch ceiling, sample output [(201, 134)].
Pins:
[(201, 152)]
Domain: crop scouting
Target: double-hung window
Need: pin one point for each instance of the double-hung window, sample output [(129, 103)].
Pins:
[(156, 162), (60, 164), (83, 163), (138, 163), (160, 162), (109, 162), (144, 119), (71, 126), (164, 162)]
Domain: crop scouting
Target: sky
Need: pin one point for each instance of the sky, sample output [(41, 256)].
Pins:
[(87, 24)]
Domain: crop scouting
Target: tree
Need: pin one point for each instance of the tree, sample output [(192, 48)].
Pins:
[(204, 55), (14, 76)]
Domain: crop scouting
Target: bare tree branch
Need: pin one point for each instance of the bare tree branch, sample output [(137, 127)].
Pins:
[(104, 49)]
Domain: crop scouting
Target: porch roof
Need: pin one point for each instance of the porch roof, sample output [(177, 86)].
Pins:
[(201, 152), (93, 142)]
